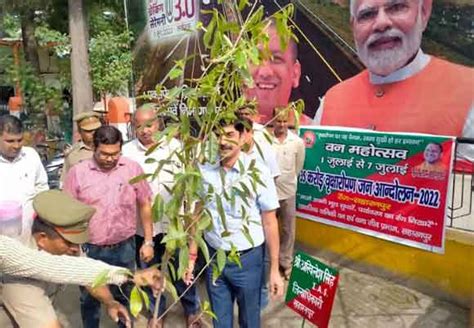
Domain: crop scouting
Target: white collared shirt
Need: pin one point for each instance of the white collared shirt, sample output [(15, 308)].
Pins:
[(290, 155), (266, 155), (239, 213), (136, 151), (20, 181)]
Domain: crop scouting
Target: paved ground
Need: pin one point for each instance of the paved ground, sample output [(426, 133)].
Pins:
[(362, 301)]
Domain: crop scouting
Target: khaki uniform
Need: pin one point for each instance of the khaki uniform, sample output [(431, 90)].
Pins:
[(88, 121), (29, 301), (78, 153)]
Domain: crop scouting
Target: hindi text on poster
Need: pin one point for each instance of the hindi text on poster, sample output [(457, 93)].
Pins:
[(311, 289), (170, 18), (388, 185)]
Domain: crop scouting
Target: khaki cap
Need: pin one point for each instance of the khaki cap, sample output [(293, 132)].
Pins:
[(88, 120), (68, 216)]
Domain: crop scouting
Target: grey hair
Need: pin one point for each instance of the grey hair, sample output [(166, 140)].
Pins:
[(10, 124), (352, 7), (145, 108)]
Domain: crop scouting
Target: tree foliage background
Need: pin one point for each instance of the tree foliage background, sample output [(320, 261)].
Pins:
[(46, 24)]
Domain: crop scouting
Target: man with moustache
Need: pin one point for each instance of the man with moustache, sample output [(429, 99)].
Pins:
[(403, 89), (275, 77), (103, 182), (253, 216)]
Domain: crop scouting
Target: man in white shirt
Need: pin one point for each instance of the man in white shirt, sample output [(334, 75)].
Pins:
[(22, 174), (147, 125), (259, 148), (290, 154)]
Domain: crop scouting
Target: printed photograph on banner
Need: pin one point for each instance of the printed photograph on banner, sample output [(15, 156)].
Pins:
[(388, 185), (324, 54)]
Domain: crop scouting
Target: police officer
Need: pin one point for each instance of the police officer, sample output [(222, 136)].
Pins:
[(87, 123), (60, 227)]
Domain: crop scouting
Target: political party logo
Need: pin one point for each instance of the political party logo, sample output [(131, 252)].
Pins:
[(309, 139)]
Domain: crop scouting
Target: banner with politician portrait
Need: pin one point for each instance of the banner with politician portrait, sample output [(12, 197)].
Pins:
[(388, 185)]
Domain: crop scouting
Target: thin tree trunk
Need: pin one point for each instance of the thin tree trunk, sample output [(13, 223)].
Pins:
[(29, 40), (82, 99)]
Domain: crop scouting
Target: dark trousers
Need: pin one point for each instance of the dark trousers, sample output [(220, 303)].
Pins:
[(241, 284), (122, 255), (189, 301)]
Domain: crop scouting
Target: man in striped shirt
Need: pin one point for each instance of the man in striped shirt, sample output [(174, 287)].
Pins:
[(59, 229), (19, 260)]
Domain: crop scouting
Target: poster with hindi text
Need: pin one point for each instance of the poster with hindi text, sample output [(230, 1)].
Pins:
[(388, 185)]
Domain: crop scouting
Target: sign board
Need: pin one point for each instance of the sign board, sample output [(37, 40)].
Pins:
[(312, 289), (170, 18), (388, 185)]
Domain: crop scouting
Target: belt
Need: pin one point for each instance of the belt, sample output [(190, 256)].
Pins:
[(240, 253), (115, 245)]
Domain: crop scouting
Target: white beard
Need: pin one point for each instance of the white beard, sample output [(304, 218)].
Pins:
[(386, 61)]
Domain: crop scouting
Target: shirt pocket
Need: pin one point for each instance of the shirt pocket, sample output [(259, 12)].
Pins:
[(126, 195), (25, 184), (287, 160)]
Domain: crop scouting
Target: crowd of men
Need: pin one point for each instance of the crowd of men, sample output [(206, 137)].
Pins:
[(111, 218)]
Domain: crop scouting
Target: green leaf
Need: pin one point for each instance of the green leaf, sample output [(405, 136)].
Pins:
[(203, 247), (139, 178), (252, 165), (234, 256), (268, 137), (245, 231), (208, 34), (151, 149), (145, 298), (204, 221), (175, 72), (206, 309), (221, 259), (150, 160), (169, 287), (206, 306), (243, 4), (172, 271), (225, 233), (259, 150), (245, 189), (183, 260), (240, 60), (101, 279), (158, 208), (215, 273), (220, 210), (174, 234), (136, 303), (244, 211), (241, 166)]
